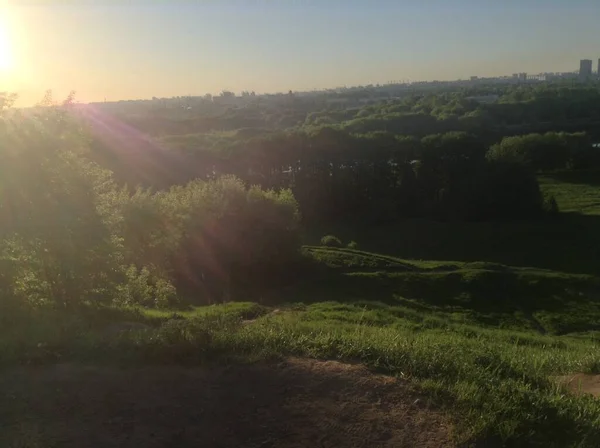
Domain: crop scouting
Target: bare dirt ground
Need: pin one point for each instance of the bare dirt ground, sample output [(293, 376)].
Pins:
[(297, 403), (582, 383)]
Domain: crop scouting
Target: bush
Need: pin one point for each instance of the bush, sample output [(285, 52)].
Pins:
[(550, 205), (141, 287), (234, 237), (331, 241), (543, 151), (352, 245)]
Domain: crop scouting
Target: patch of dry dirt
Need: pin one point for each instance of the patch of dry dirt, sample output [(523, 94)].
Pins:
[(294, 404), (582, 383)]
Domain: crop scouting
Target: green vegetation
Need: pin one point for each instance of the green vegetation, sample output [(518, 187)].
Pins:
[(575, 192), (419, 154), (444, 326), (331, 241), (69, 235), (459, 255)]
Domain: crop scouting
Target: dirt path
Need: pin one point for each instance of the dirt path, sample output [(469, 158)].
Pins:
[(582, 383), (298, 403)]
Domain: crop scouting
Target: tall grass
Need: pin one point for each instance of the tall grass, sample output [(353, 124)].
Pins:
[(495, 383)]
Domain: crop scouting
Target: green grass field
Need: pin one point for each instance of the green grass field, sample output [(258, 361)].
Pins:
[(480, 317), (567, 243), (575, 192), (482, 340)]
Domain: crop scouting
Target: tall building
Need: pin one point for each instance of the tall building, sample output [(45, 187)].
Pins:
[(585, 68)]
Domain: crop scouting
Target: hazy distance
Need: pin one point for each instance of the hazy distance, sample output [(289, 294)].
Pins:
[(102, 49)]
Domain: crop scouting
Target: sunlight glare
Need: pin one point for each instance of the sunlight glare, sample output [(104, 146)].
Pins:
[(6, 56)]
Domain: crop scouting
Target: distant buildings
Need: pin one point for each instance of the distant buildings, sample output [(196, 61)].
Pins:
[(561, 76), (585, 68), (358, 95)]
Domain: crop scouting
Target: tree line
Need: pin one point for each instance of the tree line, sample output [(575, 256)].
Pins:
[(416, 111), (381, 176)]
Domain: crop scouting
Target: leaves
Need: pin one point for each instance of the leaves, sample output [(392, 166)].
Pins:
[(70, 235)]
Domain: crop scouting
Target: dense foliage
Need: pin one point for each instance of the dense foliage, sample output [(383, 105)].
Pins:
[(418, 110), (546, 152), (378, 177), (374, 154), (70, 235)]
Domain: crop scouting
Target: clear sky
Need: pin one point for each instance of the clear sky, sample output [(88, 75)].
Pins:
[(138, 49)]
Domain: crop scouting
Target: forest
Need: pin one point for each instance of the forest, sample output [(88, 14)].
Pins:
[(434, 155)]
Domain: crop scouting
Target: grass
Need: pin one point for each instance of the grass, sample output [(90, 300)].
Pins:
[(355, 259), (232, 310), (485, 294), (482, 332), (575, 192), (567, 243), (483, 340), (494, 382)]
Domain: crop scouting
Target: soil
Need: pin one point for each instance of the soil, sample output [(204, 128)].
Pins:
[(582, 383), (293, 404)]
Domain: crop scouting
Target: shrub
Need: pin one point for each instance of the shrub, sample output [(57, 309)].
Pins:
[(137, 289), (538, 151), (331, 241), (180, 332), (234, 237), (353, 245), (141, 287), (550, 205), (165, 294)]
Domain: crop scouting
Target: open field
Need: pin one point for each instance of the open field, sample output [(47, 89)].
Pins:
[(575, 192)]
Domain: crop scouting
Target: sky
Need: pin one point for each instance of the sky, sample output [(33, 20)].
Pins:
[(138, 49)]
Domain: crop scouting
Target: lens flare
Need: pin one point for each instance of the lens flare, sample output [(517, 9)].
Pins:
[(6, 55)]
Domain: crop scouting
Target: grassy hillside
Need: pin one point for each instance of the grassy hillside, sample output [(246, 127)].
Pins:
[(483, 341), (567, 243), (575, 191), (476, 293)]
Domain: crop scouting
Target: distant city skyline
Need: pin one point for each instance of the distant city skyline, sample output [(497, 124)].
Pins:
[(103, 49)]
